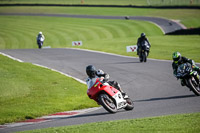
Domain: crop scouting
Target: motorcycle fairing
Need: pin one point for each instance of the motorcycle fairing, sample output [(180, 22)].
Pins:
[(116, 94), (145, 46), (120, 102), (99, 87)]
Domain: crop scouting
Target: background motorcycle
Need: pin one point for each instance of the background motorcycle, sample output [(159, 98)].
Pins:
[(144, 51), (40, 42), (109, 97), (190, 78)]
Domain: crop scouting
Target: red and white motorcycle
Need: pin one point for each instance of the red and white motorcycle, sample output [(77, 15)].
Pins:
[(109, 97)]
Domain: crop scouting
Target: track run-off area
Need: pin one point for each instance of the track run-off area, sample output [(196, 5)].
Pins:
[(152, 86)]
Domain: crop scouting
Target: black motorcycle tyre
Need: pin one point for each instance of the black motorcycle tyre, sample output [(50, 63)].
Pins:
[(141, 57), (104, 100), (193, 88), (130, 104), (145, 56), (40, 45)]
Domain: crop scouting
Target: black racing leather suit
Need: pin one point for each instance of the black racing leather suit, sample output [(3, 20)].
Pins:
[(139, 43)]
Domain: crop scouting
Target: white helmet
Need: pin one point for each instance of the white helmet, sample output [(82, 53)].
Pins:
[(40, 32)]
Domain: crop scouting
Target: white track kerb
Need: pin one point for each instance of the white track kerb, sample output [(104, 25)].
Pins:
[(50, 117)]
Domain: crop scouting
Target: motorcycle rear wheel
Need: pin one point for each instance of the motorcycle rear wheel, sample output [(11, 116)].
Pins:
[(107, 103), (194, 88), (130, 104)]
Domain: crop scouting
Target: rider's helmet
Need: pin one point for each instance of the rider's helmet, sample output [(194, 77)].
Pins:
[(143, 35), (91, 71), (176, 57), (40, 33)]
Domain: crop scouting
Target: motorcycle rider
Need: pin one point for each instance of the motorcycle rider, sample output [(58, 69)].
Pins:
[(93, 74), (39, 38), (178, 60), (140, 41)]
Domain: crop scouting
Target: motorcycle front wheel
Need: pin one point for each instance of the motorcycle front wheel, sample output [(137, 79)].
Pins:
[(130, 104), (107, 103), (194, 87), (145, 56), (39, 45), (141, 57)]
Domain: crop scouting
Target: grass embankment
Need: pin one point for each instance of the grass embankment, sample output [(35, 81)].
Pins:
[(96, 34), (29, 91), (182, 123), (188, 17)]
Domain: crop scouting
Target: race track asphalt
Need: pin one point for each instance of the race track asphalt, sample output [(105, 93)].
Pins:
[(152, 86)]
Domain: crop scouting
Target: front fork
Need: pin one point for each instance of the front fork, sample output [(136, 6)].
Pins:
[(196, 76)]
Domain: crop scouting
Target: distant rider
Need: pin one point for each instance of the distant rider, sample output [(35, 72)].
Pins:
[(140, 42), (93, 74), (40, 40), (178, 60)]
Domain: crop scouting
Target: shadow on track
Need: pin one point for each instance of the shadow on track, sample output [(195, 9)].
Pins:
[(126, 62), (165, 98)]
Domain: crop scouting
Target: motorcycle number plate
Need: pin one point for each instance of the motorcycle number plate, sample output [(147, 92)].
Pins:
[(119, 100)]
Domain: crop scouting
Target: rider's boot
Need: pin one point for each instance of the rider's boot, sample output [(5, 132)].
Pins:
[(118, 87), (123, 93)]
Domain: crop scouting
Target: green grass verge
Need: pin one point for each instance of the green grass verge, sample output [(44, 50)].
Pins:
[(97, 34), (29, 91), (182, 123), (107, 2), (188, 17)]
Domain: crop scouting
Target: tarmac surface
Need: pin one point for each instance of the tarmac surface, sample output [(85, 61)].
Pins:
[(151, 85)]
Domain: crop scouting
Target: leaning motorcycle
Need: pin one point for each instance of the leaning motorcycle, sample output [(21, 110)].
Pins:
[(143, 51), (190, 77), (109, 97)]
